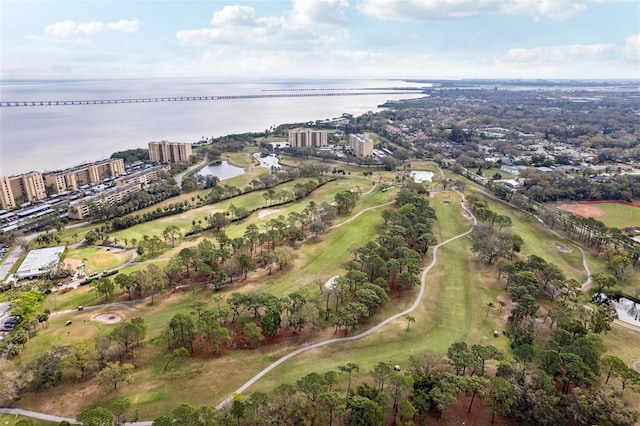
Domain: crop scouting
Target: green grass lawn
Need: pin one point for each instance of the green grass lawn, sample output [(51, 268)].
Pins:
[(98, 259), (618, 215)]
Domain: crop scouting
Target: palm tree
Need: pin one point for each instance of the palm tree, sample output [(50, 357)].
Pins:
[(409, 319)]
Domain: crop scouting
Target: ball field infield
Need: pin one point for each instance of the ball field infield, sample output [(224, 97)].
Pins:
[(613, 215)]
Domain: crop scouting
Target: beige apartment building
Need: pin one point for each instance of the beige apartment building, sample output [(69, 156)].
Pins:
[(82, 208), (19, 189), (169, 152), (125, 185), (86, 174), (360, 145), (307, 138)]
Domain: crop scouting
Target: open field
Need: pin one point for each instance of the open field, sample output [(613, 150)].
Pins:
[(98, 259), (613, 215)]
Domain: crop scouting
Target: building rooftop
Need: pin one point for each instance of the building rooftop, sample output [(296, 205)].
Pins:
[(37, 260)]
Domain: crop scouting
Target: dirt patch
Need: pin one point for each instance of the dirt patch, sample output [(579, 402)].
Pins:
[(446, 203), (584, 210), (562, 248), (108, 318), (266, 212), (636, 365), (73, 264)]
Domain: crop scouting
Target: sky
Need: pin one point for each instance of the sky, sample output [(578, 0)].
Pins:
[(430, 39)]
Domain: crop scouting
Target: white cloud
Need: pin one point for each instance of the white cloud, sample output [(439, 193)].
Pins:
[(243, 16), (632, 49), (309, 23), (71, 28), (619, 58), (125, 26), (562, 53), (329, 12), (435, 10)]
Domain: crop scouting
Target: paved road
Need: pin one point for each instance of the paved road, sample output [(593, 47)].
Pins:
[(179, 176), (40, 416)]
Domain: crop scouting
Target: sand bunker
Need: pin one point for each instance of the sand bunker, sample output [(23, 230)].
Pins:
[(636, 365), (108, 318), (331, 281), (563, 249), (267, 212), (446, 203)]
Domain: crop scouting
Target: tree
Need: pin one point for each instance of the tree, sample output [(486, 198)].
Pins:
[(345, 201), (104, 287), (621, 266), (154, 280), (331, 400), (409, 319), (312, 386), (179, 352), (500, 397), (364, 412), (253, 333), (185, 414), (44, 371), (119, 408), (348, 368), (181, 329), (82, 359), (399, 385), (213, 331), (126, 282), (611, 365), (98, 416), (171, 232), (217, 221), (128, 335), (380, 373), (461, 357), (114, 374), (602, 281), (484, 353), (238, 406), (247, 263)]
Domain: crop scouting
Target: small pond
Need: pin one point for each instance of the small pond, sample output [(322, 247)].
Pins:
[(222, 170), (628, 310)]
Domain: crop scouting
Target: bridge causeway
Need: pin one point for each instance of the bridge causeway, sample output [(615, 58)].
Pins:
[(197, 98)]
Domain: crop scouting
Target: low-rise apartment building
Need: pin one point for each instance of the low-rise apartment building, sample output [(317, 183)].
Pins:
[(124, 186), (360, 145), (169, 152), (86, 174), (20, 189), (307, 138), (82, 208), (144, 176)]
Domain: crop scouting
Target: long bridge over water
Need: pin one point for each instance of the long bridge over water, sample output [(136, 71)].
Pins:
[(201, 98)]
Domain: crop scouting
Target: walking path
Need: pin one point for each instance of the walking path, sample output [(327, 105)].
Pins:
[(373, 329)]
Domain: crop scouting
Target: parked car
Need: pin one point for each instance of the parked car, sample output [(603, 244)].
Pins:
[(7, 327)]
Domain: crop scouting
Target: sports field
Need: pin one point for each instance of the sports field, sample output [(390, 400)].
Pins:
[(613, 215)]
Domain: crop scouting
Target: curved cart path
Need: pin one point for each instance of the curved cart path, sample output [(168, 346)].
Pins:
[(373, 329)]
